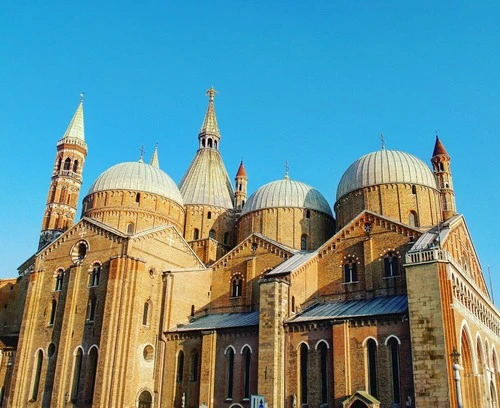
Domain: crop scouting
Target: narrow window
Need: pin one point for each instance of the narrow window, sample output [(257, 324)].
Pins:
[(303, 242), (196, 233), (293, 304), (247, 355), (95, 276), (192, 310), (91, 374), (350, 271), (371, 349), (82, 251), (209, 215), (413, 219), (236, 287), (211, 234), (53, 309), (145, 314), (414, 189), (92, 308), (194, 366), (75, 166), (304, 350), (395, 376), (180, 366), (130, 228), (138, 198), (391, 267), (229, 373), (77, 370), (210, 143), (215, 144), (59, 280), (323, 350), (67, 164), (145, 400), (37, 375), (308, 213), (59, 162), (226, 238)]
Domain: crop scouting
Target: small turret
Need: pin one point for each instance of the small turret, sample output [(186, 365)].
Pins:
[(240, 191), (67, 177), (441, 165)]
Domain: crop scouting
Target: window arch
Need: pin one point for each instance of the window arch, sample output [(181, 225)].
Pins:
[(67, 164), (37, 372), (91, 373), (180, 366), (77, 371), (350, 270), (145, 400), (391, 264), (371, 366), (130, 228), (229, 372), (393, 344), (322, 348), (236, 286), (413, 219), (75, 166), (211, 233), (303, 373), (196, 234), (303, 242), (95, 274), (247, 360), (59, 280)]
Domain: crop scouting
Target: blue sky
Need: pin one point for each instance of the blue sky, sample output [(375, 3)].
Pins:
[(311, 83)]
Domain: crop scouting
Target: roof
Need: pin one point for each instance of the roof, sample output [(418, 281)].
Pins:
[(439, 148), (383, 305), (209, 125), (221, 321), (75, 132), (292, 263), (241, 171), (435, 236), (385, 167), (287, 193), (137, 176)]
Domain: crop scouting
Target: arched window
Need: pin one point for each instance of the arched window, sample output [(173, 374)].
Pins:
[(59, 162), (236, 286), (95, 275), (77, 371), (53, 309), (304, 351), (196, 233), (82, 251), (138, 198), (308, 213), (247, 359), (91, 374), (371, 367), (130, 228), (67, 164), (146, 313), (229, 373), (91, 309), (226, 238), (413, 219), (303, 242), (391, 265), (59, 280), (350, 271), (194, 366), (414, 189), (180, 366), (145, 400), (37, 372), (395, 375), (210, 143), (211, 234), (215, 144), (75, 166), (323, 369), (209, 215)]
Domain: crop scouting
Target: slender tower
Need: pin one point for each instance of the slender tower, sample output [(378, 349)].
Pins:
[(66, 180), (441, 164), (240, 192)]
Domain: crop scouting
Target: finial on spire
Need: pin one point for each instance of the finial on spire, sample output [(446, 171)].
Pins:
[(141, 150), (211, 93), (287, 168), (82, 95), (382, 140), (154, 159)]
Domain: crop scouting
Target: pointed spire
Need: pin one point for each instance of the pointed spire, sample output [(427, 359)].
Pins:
[(439, 148), (241, 171), (154, 159), (209, 126), (76, 128)]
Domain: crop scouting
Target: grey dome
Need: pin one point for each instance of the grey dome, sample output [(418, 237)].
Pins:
[(137, 176), (385, 167), (287, 193)]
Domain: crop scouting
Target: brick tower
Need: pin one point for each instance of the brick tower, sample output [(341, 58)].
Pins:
[(441, 165), (66, 180), (240, 192)]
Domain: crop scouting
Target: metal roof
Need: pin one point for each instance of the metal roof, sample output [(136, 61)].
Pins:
[(221, 321), (383, 305), (292, 263)]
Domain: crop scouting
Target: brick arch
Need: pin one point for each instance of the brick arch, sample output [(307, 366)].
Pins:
[(369, 338), (303, 342), (246, 346), (321, 341), (229, 347), (392, 336), (470, 392)]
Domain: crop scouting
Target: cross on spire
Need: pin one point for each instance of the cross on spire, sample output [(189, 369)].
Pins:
[(142, 151), (287, 168), (82, 95), (382, 140), (211, 93)]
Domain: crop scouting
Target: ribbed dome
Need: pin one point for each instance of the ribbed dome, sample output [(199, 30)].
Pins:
[(287, 193), (385, 167), (137, 176)]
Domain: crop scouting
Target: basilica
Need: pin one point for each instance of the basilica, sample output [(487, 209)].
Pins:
[(203, 294)]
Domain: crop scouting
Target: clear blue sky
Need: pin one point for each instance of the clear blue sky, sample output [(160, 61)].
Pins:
[(311, 83)]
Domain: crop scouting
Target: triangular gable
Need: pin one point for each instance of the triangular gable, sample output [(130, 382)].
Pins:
[(261, 241), (365, 217), (361, 396)]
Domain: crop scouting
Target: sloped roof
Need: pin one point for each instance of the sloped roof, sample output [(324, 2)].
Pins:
[(221, 321), (383, 305), (292, 263)]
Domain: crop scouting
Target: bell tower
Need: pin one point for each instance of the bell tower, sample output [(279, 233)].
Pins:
[(240, 192), (66, 180), (441, 165)]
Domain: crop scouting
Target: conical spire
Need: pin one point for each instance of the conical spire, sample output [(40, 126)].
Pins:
[(209, 126), (154, 159), (241, 171), (439, 148), (76, 128)]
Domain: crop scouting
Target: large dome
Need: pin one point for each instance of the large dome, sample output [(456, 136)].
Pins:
[(137, 176), (385, 167), (287, 193)]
